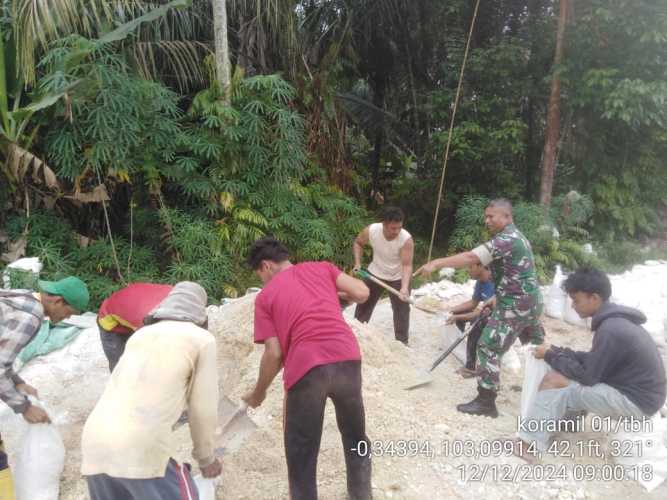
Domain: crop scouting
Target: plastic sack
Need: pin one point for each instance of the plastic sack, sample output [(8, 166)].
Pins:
[(447, 272), (570, 315), (534, 372), (451, 334), (39, 464), (511, 361), (22, 274), (657, 333), (205, 487), (647, 450), (556, 296)]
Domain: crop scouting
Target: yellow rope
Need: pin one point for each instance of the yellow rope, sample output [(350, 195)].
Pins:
[(451, 128), (108, 224)]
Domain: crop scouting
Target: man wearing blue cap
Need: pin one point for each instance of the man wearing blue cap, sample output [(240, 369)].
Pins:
[(21, 315)]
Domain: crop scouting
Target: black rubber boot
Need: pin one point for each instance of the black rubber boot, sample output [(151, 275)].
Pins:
[(484, 404)]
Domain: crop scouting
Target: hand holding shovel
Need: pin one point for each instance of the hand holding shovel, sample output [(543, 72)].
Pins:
[(364, 274)]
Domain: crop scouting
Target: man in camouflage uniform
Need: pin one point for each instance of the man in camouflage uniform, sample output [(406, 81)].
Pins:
[(518, 300)]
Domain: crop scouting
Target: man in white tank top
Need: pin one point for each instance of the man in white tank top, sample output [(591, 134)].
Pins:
[(393, 249)]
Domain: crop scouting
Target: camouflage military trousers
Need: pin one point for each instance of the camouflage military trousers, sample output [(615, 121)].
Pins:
[(500, 332)]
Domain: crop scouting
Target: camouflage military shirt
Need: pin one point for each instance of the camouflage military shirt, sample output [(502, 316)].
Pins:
[(511, 260)]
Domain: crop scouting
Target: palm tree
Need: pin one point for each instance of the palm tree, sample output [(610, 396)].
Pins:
[(267, 35), (16, 130), (171, 48), (221, 47)]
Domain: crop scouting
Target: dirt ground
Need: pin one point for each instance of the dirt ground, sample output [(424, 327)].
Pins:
[(424, 420)]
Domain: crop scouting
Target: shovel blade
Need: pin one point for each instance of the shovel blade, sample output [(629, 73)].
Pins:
[(421, 381), (236, 428)]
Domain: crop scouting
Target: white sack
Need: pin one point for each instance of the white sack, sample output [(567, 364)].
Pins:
[(648, 450), (205, 487), (555, 305), (534, 372), (40, 463), (511, 361), (570, 315)]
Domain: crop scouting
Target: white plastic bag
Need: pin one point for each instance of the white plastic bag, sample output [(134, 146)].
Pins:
[(556, 296), (511, 361), (533, 374), (205, 487), (40, 463), (644, 449), (570, 315), (656, 331), (22, 273), (451, 334)]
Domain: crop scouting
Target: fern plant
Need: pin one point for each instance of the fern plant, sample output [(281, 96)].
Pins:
[(469, 230), (251, 172)]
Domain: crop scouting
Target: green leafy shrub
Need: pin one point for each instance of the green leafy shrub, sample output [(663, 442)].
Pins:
[(618, 212), (250, 165), (119, 123), (52, 240), (461, 276), (621, 255), (199, 253), (469, 230), (236, 171), (573, 213)]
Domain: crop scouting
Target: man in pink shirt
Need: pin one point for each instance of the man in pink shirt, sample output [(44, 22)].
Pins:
[(299, 321)]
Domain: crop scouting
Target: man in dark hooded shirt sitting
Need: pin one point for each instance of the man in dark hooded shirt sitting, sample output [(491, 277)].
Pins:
[(621, 376)]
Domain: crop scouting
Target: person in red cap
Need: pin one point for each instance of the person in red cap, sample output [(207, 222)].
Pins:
[(21, 315), (123, 312), (169, 364)]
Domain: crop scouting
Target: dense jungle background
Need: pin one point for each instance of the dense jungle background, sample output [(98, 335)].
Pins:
[(157, 140)]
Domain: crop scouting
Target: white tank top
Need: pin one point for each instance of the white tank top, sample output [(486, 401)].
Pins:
[(386, 262)]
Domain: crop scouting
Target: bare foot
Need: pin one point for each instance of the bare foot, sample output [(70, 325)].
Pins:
[(466, 372)]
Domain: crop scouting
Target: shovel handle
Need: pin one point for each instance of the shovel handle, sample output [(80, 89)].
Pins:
[(454, 344), (363, 273)]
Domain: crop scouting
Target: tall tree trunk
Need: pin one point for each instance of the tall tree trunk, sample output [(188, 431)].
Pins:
[(4, 103), (532, 150), (221, 46), (378, 142), (553, 115), (534, 142)]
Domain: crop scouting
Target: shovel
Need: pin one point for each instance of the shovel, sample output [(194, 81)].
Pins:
[(364, 274), (426, 378), (236, 428)]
